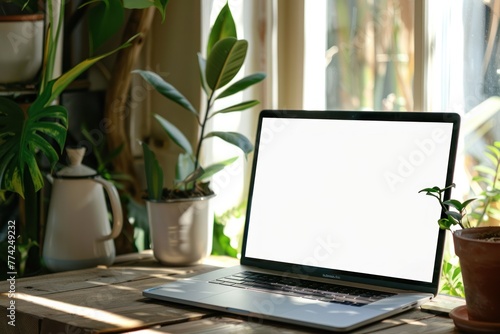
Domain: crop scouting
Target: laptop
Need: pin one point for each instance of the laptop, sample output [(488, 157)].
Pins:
[(336, 235)]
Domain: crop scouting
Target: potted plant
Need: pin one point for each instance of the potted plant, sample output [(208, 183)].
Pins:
[(478, 249), (177, 237), (21, 34), (27, 134)]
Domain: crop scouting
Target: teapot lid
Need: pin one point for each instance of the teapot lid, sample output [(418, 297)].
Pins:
[(76, 169)]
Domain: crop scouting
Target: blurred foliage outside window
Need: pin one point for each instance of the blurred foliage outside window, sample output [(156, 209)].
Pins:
[(371, 64), (370, 54)]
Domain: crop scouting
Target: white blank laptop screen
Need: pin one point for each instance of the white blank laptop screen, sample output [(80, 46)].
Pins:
[(343, 195)]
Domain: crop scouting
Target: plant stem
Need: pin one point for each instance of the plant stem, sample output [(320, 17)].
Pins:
[(53, 38), (488, 200), (440, 199), (202, 131), (32, 264)]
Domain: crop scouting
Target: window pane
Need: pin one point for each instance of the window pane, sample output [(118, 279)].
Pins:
[(369, 54), (464, 75)]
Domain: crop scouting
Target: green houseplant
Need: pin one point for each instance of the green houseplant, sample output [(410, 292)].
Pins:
[(40, 130), (190, 191), (476, 245)]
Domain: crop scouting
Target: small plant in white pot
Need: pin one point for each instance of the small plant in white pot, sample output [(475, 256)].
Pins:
[(478, 249), (180, 218)]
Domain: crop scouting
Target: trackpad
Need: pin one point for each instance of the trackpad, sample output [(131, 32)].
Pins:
[(254, 302)]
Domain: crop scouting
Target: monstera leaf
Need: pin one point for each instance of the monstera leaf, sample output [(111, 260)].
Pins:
[(23, 135)]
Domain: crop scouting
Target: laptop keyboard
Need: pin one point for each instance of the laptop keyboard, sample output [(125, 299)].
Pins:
[(325, 292)]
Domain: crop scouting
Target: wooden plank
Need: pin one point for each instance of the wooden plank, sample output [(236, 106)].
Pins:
[(25, 323), (45, 300), (414, 321), (228, 324), (432, 325), (103, 308), (87, 278), (128, 320)]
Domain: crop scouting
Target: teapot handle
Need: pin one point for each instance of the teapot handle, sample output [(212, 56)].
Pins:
[(116, 208)]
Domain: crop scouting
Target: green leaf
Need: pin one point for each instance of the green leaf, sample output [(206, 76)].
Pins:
[(235, 139), (175, 134), (201, 174), (456, 273), (222, 243), (237, 107), (225, 61), (492, 158), (141, 4), (495, 151), (184, 167), (242, 84), (23, 135), (494, 213), (105, 18), (202, 65), (223, 27), (483, 179), (154, 173), (454, 217), (454, 203), (431, 190), (486, 170), (467, 202), (52, 36), (166, 89), (444, 223), (160, 5), (64, 80)]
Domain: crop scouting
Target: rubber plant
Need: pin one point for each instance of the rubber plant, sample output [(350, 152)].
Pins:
[(42, 128), (225, 57)]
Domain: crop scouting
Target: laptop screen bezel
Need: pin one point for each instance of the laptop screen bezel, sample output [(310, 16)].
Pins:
[(336, 275)]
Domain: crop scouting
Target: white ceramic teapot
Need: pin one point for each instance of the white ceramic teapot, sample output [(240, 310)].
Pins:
[(78, 233)]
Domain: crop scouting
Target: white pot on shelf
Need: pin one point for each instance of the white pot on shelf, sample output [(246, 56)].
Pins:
[(21, 37)]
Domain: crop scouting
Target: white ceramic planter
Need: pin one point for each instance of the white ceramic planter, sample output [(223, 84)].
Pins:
[(21, 37), (181, 230)]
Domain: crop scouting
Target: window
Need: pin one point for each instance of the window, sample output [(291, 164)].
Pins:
[(369, 55), (408, 55), (398, 55)]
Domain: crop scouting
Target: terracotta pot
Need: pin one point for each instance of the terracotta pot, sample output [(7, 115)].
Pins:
[(181, 230), (480, 264)]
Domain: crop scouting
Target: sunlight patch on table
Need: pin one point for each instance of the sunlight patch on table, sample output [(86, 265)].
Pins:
[(119, 287), (82, 311)]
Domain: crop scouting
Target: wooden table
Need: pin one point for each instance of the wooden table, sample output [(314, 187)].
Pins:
[(109, 300)]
